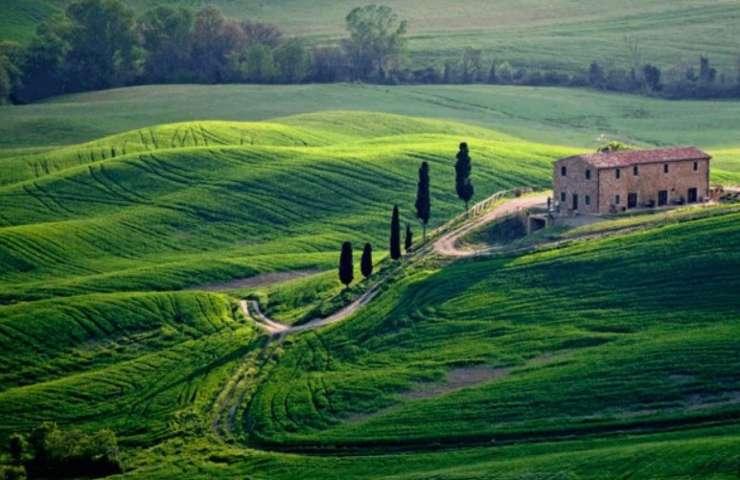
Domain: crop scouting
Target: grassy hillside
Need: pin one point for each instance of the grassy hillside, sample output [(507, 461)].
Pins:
[(19, 19), (542, 115), (577, 118), (189, 204), (562, 34), (626, 356), (613, 358), (629, 381)]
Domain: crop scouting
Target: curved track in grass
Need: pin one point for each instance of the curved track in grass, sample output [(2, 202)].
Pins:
[(445, 246)]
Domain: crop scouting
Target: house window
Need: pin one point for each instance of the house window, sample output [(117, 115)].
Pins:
[(618, 173), (696, 166), (588, 174), (616, 199), (562, 197), (587, 199), (635, 170), (665, 168), (563, 171)]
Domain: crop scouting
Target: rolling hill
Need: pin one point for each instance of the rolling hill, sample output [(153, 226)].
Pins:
[(562, 34), (245, 200), (608, 358), (570, 117)]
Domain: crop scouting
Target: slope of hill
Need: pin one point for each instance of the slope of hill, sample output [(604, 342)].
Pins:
[(543, 115), (650, 347), (559, 34), (188, 204), (502, 368), (495, 368)]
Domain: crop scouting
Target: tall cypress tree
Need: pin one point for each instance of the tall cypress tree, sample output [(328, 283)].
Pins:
[(366, 263), (395, 243), (463, 184), (346, 269), (409, 241), (423, 200)]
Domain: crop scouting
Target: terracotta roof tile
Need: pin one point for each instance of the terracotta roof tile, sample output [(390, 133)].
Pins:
[(626, 158)]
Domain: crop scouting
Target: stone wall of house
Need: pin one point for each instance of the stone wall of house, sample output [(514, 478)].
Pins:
[(649, 180), (575, 183)]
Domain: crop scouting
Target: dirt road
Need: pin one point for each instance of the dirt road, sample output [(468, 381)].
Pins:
[(446, 245), (276, 328)]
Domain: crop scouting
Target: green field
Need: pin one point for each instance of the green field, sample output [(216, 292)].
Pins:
[(562, 34), (569, 117), (112, 217), (544, 115)]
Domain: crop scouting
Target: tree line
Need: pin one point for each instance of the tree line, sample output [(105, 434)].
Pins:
[(423, 204), (98, 44), (682, 81)]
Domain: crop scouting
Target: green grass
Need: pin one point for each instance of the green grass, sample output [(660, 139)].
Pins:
[(650, 347), (620, 353), (560, 35), (19, 19), (542, 115), (228, 207)]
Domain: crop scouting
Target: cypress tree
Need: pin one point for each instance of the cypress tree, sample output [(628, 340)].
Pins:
[(423, 200), (409, 241), (346, 269), (395, 243), (463, 184), (366, 263)]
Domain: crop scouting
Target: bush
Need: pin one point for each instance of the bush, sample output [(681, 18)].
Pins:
[(61, 453), (505, 72), (12, 473)]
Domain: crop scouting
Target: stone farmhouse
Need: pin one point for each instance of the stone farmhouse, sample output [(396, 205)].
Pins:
[(617, 181)]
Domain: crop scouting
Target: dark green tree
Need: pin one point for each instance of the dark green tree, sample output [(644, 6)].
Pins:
[(492, 76), (423, 199), (463, 184), (261, 33), (11, 57), (166, 36), (44, 66), (366, 263), (652, 76), (214, 39), (448, 73), (596, 75), (395, 242), (103, 44), (254, 64), (409, 240), (293, 61), (707, 74), (471, 64), (17, 448), (376, 40), (346, 267)]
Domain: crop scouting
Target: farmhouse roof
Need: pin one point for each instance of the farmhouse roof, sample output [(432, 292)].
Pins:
[(626, 158)]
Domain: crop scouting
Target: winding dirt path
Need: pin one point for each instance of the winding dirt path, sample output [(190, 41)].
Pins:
[(446, 245), (275, 328)]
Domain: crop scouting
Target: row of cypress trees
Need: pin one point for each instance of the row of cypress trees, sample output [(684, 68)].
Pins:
[(423, 204), (346, 263)]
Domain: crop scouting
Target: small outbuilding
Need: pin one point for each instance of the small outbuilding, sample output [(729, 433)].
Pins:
[(616, 181)]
